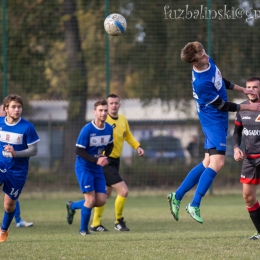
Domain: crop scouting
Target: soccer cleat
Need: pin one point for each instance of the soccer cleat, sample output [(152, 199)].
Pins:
[(255, 236), (120, 226), (23, 223), (99, 228), (70, 213), (174, 205), (3, 235), (194, 212), (84, 233)]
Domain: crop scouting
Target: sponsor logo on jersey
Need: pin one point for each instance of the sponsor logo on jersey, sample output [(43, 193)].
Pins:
[(257, 118), (246, 117), (93, 134), (218, 79), (11, 138), (94, 141), (251, 132)]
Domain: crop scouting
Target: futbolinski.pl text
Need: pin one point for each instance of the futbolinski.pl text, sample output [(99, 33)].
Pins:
[(204, 13)]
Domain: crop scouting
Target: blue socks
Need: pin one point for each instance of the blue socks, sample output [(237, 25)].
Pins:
[(77, 205), (17, 212), (190, 181), (85, 216), (7, 219), (204, 184)]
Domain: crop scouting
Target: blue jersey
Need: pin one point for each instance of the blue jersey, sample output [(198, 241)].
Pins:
[(94, 140), (18, 135), (207, 86)]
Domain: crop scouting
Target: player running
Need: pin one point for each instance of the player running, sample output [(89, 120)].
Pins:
[(18, 140), (95, 138)]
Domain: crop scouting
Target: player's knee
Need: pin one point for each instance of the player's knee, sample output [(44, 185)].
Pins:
[(123, 193), (249, 199), (100, 203), (9, 207), (221, 165)]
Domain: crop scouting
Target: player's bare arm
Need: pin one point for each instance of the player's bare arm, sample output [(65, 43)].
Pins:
[(250, 107), (246, 91)]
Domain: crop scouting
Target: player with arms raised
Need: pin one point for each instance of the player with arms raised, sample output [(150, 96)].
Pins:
[(209, 91)]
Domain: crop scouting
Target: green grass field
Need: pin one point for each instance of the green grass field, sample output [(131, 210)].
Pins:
[(154, 233)]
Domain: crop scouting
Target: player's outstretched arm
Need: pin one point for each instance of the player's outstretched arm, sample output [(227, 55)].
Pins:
[(250, 107), (246, 91)]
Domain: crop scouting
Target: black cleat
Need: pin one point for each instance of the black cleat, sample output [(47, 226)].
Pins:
[(99, 228), (121, 225), (70, 213), (255, 236)]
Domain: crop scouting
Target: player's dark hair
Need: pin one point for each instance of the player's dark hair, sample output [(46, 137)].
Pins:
[(253, 78), (12, 97), (112, 96), (101, 102)]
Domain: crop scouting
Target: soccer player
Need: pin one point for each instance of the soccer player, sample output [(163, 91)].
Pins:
[(18, 140), (93, 146), (249, 123), (19, 221), (122, 133), (209, 92)]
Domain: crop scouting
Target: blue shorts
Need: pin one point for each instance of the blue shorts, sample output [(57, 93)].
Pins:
[(12, 186), (215, 137), (89, 181)]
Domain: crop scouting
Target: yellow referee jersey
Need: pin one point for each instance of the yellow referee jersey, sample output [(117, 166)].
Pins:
[(121, 133)]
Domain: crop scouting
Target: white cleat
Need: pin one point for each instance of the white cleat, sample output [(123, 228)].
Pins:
[(23, 223)]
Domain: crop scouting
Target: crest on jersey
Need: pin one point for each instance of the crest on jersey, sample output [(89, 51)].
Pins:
[(257, 118)]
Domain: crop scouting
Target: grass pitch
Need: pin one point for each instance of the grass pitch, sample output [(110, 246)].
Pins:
[(154, 233)]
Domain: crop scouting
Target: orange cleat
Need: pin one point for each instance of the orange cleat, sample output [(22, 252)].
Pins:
[(3, 235)]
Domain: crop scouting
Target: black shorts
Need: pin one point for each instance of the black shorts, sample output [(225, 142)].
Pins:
[(111, 172), (250, 172)]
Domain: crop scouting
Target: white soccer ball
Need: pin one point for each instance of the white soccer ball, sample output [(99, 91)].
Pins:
[(115, 24)]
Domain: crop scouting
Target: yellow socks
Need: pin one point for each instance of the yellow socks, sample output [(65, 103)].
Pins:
[(98, 212), (119, 206)]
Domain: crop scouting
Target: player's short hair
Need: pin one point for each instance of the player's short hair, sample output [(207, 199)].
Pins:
[(112, 96), (191, 51), (253, 78), (101, 102), (12, 97)]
